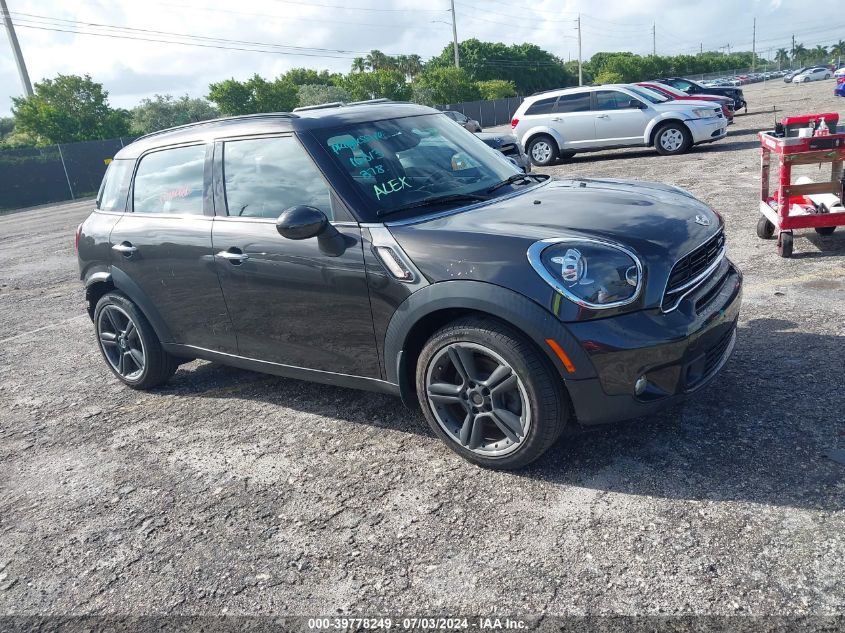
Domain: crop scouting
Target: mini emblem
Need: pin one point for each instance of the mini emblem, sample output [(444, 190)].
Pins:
[(702, 220)]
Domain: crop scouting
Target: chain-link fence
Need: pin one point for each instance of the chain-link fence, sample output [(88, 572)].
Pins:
[(39, 175)]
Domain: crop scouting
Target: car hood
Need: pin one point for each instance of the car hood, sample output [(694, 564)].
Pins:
[(683, 105), (489, 241)]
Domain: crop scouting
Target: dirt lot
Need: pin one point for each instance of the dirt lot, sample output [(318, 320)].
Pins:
[(233, 492)]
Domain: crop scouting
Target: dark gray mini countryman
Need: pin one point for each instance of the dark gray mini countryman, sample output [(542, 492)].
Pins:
[(380, 246)]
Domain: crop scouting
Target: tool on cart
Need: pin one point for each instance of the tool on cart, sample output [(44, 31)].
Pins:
[(803, 204)]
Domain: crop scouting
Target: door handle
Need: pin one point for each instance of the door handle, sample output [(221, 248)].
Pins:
[(125, 248), (233, 256), (603, 116), (557, 118)]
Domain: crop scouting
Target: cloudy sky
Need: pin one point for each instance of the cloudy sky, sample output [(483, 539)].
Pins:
[(59, 37)]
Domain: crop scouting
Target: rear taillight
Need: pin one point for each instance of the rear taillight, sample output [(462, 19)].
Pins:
[(514, 123), (76, 238)]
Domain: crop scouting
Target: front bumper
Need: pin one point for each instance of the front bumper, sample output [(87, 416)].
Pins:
[(677, 352), (707, 130)]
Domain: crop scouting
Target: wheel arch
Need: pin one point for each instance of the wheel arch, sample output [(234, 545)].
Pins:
[(123, 282), (432, 307), (538, 130), (655, 126), (96, 285)]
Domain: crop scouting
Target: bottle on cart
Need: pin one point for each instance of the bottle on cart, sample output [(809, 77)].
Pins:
[(822, 129)]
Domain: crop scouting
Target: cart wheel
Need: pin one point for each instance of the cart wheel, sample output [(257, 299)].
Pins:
[(765, 229), (785, 244), (825, 230)]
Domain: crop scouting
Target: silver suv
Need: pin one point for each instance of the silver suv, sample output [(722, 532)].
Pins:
[(559, 123)]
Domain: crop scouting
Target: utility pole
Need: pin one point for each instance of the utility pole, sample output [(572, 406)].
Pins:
[(792, 58), (754, 47), (701, 48), (455, 36), (654, 38), (580, 70), (16, 48)]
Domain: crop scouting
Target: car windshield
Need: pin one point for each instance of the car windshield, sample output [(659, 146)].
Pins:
[(648, 95), (414, 162)]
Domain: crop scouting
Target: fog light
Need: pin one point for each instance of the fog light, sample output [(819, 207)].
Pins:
[(640, 385)]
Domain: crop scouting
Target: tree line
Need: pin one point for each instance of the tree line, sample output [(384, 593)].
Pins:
[(74, 108)]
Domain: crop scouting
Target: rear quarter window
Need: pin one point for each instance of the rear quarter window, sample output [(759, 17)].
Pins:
[(115, 186)]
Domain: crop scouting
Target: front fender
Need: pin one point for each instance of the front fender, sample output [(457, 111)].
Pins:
[(507, 305), (542, 129)]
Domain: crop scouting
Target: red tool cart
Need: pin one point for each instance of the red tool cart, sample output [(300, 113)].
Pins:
[(790, 207)]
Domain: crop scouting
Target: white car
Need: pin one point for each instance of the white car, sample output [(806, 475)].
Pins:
[(813, 74), (839, 73), (560, 123)]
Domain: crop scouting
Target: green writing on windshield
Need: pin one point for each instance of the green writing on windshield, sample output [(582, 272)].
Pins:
[(391, 186)]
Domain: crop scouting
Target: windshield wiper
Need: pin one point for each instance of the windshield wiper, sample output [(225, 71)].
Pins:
[(516, 178), (437, 200)]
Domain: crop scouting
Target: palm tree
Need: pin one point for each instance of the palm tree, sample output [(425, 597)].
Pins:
[(838, 49), (415, 65), (359, 65), (376, 60), (781, 57), (819, 53)]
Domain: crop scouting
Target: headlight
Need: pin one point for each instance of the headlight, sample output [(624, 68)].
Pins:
[(592, 273), (704, 113)]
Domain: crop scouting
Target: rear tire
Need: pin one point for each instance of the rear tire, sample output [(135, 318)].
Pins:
[(672, 139), (489, 393), (825, 230), (542, 150), (129, 344), (765, 229)]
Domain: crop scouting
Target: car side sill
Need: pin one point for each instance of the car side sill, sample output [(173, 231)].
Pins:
[(288, 371)]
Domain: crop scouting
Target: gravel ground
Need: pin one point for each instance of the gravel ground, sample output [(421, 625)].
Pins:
[(233, 492)]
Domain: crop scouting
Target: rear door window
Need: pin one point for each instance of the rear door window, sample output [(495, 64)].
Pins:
[(576, 102), (171, 181), (542, 106)]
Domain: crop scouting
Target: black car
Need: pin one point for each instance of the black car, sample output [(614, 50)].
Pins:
[(509, 146), (382, 247), (694, 88)]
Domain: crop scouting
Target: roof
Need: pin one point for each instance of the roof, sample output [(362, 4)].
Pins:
[(330, 116)]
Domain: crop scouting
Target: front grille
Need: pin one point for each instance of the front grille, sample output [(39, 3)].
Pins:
[(685, 273)]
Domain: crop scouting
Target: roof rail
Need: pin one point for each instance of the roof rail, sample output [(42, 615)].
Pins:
[(320, 106), (260, 115), (341, 104), (366, 101)]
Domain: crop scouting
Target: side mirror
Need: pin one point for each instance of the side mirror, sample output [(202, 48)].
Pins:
[(303, 222)]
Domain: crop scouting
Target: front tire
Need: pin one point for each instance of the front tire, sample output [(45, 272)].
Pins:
[(489, 394), (785, 244), (825, 230), (672, 139), (542, 150), (129, 344)]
